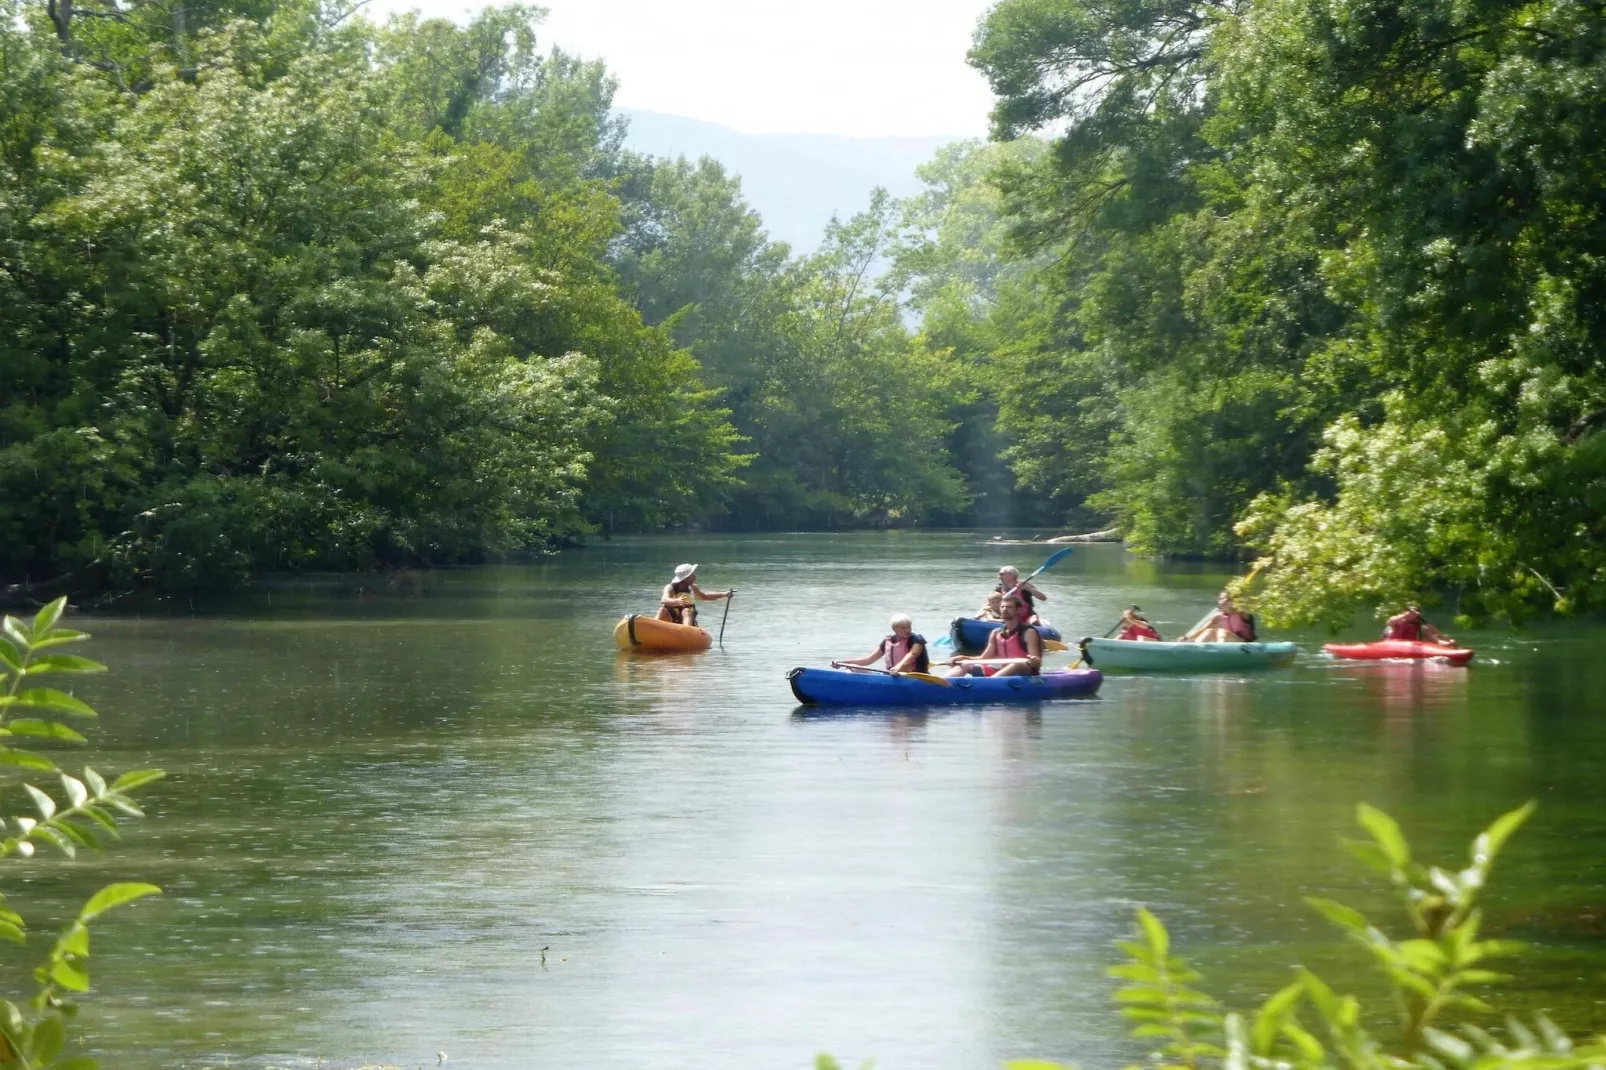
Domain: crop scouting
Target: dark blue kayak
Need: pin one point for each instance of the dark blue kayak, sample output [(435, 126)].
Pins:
[(970, 635), (838, 687)]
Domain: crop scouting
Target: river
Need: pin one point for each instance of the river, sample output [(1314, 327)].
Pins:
[(446, 817)]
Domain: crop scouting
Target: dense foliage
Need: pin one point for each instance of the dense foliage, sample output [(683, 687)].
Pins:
[(1323, 279), (86, 812), (281, 288)]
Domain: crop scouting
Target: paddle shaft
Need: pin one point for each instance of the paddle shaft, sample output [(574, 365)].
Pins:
[(726, 615), (923, 677)]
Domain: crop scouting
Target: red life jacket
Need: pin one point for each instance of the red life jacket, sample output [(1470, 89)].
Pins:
[(1407, 630), (1133, 631), (1028, 603), (1013, 644), (897, 649)]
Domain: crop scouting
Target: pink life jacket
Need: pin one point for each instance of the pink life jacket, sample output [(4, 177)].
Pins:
[(1013, 644), (897, 649)]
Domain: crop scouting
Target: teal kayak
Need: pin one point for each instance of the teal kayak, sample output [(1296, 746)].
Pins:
[(1134, 656)]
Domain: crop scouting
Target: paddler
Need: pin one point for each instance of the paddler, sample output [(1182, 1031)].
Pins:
[(1225, 625), (681, 595), (1410, 627), (1135, 627), (1017, 640), (1009, 580), (903, 650)]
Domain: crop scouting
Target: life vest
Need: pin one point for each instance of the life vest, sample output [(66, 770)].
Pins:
[(1409, 631), (1013, 644), (897, 649), (677, 614), (1135, 631), (1240, 624)]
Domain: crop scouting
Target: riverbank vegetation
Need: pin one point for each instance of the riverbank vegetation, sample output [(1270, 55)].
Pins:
[(281, 288)]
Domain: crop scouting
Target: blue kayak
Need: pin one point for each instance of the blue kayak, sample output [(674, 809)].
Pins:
[(839, 687), (970, 635)]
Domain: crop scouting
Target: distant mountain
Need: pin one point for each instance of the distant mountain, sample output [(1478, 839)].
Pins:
[(795, 181)]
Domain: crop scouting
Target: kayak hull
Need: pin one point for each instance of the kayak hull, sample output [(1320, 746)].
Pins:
[(970, 635), (837, 687), (1387, 649), (1133, 656), (648, 635)]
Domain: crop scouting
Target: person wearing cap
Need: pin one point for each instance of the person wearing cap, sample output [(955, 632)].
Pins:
[(903, 650), (681, 595), (1411, 627), (1009, 581)]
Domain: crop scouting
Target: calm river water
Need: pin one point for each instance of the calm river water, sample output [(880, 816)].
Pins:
[(453, 820)]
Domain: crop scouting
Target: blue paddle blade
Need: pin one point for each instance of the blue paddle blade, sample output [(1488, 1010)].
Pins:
[(946, 642), (1056, 557)]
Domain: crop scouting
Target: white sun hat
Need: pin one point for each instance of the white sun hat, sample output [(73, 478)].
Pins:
[(683, 571)]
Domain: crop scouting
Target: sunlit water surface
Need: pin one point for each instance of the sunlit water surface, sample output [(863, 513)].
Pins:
[(452, 819)]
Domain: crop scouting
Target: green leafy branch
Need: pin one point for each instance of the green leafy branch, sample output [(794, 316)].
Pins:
[(86, 815), (1158, 998), (1429, 972)]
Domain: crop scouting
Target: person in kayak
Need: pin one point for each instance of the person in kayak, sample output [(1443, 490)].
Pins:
[(992, 610), (1225, 625), (1009, 580), (903, 650), (1135, 627), (681, 595), (1410, 627), (1017, 640)]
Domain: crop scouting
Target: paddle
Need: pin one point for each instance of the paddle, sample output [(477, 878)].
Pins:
[(985, 661), (1077, 663), (923, 677), (726, 615), (1053, 559), (1206, 618)]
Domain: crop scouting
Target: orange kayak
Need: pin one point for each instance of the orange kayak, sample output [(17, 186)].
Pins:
[(649, 635)]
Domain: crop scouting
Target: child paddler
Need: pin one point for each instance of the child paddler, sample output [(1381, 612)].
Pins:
[(1016, 640), (902, 651), (681, 595)]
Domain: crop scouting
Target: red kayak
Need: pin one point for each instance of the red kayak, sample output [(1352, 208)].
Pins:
[(1398, 648)]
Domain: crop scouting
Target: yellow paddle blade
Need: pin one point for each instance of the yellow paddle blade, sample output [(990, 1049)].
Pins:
[(1054, 646), (926, 678)]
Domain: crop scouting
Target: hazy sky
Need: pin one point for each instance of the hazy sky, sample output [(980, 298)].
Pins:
[(856, 67)]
